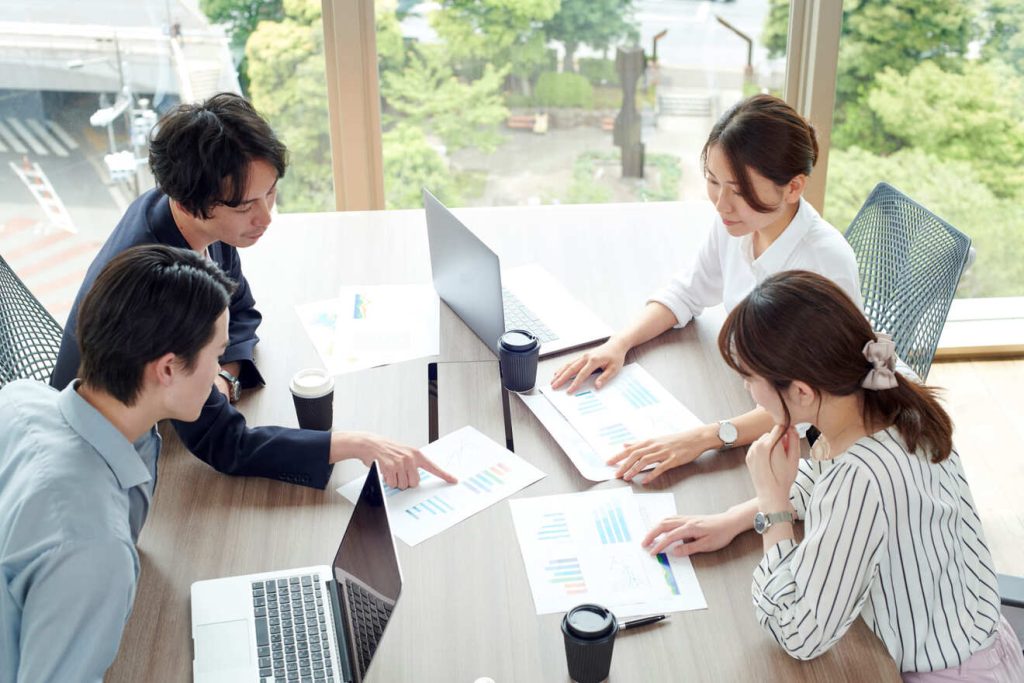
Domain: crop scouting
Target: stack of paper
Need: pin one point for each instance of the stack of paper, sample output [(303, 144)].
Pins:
[(585, 547), (592, 424), (487, 474), (367, 326)]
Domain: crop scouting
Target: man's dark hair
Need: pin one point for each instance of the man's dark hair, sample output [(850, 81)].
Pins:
[(200, 153), (148, 301)]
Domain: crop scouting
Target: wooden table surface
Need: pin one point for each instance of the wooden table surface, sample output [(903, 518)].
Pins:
[(466, 609)]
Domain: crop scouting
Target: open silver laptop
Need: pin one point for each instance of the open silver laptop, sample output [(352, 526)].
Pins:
[(468, 277), (310, 624)]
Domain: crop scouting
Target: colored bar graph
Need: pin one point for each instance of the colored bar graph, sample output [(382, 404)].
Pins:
[(611, 525), (670, 578), (566, 573), (488, 479), (637, 395), (588, 402), (555, 527), (615, 434), (435, 505)]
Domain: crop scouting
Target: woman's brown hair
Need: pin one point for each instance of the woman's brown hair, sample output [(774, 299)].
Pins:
[(766, 134), (798, 325)]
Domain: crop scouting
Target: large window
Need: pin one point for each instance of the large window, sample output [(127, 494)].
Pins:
[(929, 98), (490, 102), (279, 48), (81, 84)]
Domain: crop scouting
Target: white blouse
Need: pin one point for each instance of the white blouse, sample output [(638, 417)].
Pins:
[(893, 538), (725, 270)]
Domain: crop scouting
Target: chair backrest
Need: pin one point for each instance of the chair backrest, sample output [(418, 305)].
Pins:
[(910, 263), (29, 336)]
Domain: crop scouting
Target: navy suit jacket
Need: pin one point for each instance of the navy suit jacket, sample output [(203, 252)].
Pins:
[(220, 437)]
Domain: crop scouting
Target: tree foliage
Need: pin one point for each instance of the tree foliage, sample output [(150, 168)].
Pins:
[(952, 190), (596, 23), (288, 87)]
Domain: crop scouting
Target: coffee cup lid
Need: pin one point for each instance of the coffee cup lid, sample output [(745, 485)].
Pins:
[(590, 621), (311, 383), (519, 340)]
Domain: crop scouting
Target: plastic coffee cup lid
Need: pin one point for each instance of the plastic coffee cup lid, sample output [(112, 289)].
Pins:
[(589, 621), (518, 340), (311, 383)]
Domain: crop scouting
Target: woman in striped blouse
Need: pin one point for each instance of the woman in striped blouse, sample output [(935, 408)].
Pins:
[(891, 530)]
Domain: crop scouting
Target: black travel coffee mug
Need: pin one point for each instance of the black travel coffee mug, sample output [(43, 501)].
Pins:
[(518, 352), (589, 634)]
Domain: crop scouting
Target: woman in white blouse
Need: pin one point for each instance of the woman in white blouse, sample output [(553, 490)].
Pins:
[(756, 160), (891, 531)]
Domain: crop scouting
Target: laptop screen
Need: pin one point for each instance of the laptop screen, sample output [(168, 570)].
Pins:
[(466, 273), (366, 570)]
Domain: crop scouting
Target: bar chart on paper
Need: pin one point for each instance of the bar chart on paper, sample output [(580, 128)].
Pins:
[(487, 474), (631, 407), (584, 547)]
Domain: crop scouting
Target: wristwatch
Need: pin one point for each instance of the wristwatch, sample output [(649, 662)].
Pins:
[(727, 433), (764, 520), (234, 384)]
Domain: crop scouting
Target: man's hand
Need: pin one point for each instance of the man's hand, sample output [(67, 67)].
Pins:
[(399, 465)]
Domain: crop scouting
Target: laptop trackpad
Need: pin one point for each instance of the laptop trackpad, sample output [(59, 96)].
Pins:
[(222, 646)]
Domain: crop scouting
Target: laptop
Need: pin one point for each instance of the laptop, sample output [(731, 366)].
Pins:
[(311, 624), (468, 277)]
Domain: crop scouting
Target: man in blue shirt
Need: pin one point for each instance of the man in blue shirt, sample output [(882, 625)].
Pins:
[(78, 467), (216, 166)]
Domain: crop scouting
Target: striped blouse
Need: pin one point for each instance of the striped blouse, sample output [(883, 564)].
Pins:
[(891, 537)]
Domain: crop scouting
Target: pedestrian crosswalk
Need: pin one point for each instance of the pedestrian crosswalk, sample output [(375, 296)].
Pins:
[(51, 262), (40, 137)]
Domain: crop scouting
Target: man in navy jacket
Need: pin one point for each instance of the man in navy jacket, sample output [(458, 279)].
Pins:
[(216, 166)]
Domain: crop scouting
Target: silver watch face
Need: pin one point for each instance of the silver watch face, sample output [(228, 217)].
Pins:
[(727, 432), (761, 522)]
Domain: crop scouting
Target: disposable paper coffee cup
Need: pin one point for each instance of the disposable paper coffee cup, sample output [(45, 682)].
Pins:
[(313, 393)]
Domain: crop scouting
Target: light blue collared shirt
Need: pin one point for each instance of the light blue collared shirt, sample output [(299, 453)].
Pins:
[(74, 494)]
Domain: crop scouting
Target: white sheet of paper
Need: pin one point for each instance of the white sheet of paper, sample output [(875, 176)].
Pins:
[(487, 474), (585, 547), (631, 407), (368, 326)]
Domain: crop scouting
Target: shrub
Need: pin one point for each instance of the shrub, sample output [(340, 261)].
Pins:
[(563, 90)]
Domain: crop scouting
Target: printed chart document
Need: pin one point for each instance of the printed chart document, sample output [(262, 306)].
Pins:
[(592, 425), (487, 474), (367, 326), (585, 547)]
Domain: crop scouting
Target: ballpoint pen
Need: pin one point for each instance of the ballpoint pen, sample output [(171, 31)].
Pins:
[(642, 621)]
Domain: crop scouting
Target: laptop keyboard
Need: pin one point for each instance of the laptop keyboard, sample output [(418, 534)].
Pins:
[(370, 615), (519, 317), (291, 630)]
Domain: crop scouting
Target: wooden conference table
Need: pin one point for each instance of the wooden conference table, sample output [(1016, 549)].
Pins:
[(466, 609)]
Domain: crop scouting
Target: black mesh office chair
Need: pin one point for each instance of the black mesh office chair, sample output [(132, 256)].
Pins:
[(29, 336), (910, 263)]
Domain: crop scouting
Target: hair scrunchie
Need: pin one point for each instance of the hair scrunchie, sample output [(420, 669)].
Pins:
[(881, 353)]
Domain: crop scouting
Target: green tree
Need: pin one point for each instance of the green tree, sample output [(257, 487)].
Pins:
[(597, 23), (504, 32), (953, 191), (411, 163), (1003, 22), (288, 86), (241, 17), (427, 94), (776, 28), (974, 116)]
